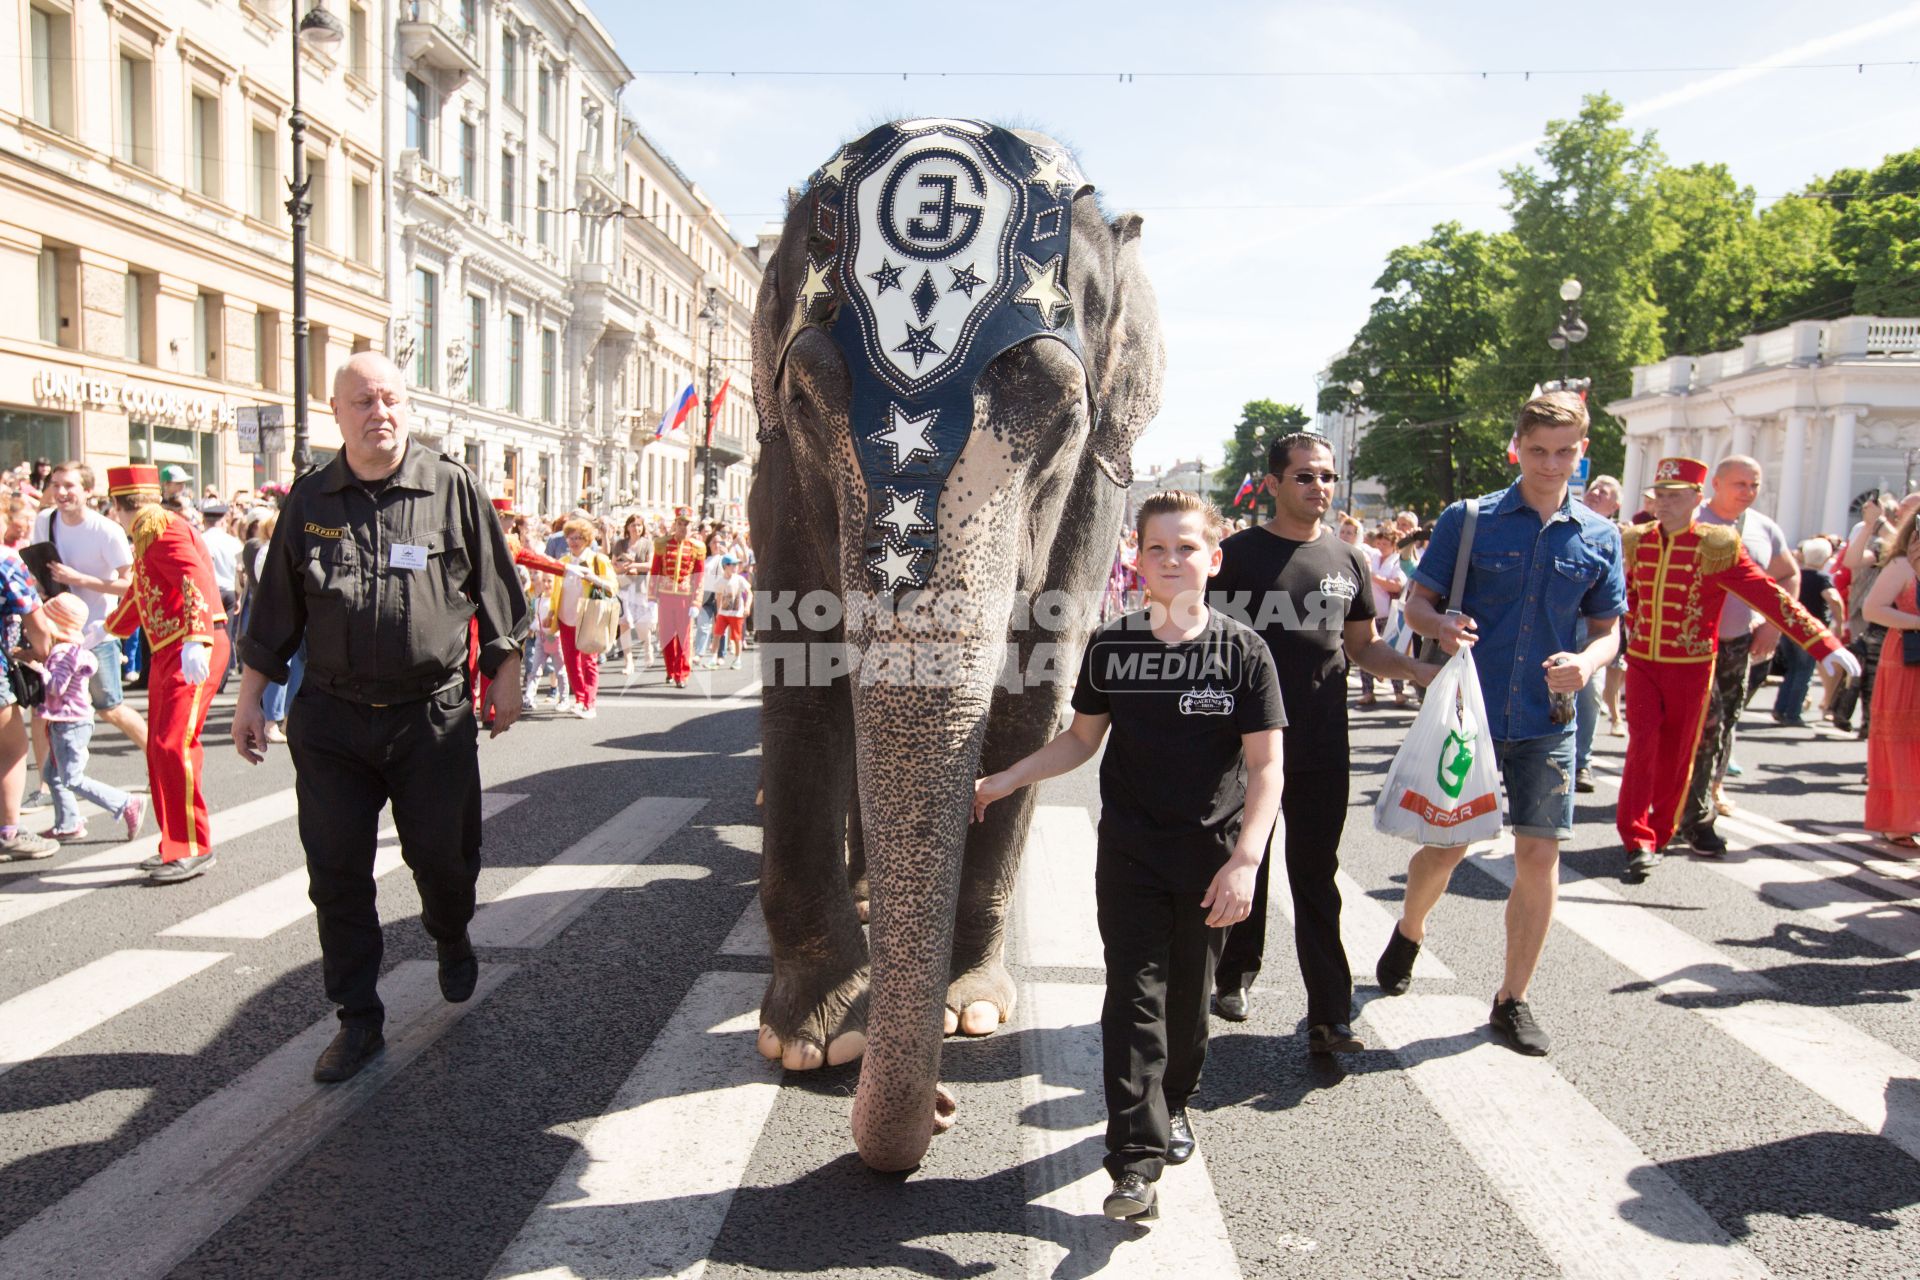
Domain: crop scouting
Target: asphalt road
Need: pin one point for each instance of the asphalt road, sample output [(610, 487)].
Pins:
[(1734, 1087)]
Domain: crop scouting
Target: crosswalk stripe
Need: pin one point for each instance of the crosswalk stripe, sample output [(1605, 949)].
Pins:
[(1814, 887), (146, 1211), (263, 911), (1594, 1201), (648, 1189), (545, 900), (74, 1003), (1852, 1070), (1062, 1144), (1054, 908), (76, 879), (749, 937), (1831, 854)]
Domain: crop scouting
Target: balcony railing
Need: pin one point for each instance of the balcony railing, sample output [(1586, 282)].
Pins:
[(1893, 337), (439, 37)]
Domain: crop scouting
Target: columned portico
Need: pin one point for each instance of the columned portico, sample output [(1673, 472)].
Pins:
[(1793, 472), (1841, 430)]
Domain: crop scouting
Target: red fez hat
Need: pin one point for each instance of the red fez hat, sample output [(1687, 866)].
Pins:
[(137, 481), (683, 513), (503, 504), (1680, 473)]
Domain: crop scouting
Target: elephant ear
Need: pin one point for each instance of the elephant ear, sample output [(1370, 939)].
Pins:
[(1129, 357)]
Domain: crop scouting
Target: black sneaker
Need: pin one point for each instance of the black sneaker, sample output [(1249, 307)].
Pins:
[(1395, 969), (1583, 781), (1181, 1143), (1334, 1037), (1641, 862), (1707, 842), (459, 971), (1514, 1021), (1132, 1197)]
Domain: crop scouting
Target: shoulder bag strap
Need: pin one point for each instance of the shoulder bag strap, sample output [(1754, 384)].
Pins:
[(1463, 558)]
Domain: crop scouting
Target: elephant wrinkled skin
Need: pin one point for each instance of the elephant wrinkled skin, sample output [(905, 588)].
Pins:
[(869, 783)]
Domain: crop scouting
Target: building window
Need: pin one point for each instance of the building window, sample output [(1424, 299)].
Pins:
[(321, 196), (543, 194), (51, 36), (506, 189), (516, 344), (509, 69), (318, 378), (476, 348), (469, 160), (359, 47), (266, 178), (362, 221), (136, 110), (204, 359), (48, 274), (133, 314), (549, 393), (206, 145), (426, 320), (266, 350), (469, 17), (197, 451), (544, 91), (546, 482), (420, 118)]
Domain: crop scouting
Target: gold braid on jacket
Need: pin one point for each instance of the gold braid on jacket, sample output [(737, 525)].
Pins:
[(1719, 548), (148, 523)]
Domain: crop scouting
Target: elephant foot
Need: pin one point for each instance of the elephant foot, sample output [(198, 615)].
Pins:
[(979, 1000), (804, 1028), (946, 1109)]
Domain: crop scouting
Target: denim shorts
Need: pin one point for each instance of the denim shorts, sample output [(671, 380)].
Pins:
[(105, 685), (1538, 773)]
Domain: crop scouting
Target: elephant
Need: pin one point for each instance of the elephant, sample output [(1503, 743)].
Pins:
[(913, 669)]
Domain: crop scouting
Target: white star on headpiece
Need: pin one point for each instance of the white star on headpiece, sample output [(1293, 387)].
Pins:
[(817, 285), (835, 170), (908, 435), (903, 513), (1043, 289), (1054, 171), (895, 566)]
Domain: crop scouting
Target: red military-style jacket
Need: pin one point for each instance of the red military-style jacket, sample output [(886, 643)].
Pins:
[(679, 561), (1676, 585), (173, 596)]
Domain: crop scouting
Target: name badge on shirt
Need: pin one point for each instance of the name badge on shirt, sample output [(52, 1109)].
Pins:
[(408, 556)]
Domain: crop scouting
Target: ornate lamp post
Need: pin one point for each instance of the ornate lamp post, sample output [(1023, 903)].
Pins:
[(318, 30), (1571, 329), (710, 316), (1354, 390)]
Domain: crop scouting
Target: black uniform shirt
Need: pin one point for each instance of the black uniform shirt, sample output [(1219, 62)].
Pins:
[(1173, 780), (382, 580)]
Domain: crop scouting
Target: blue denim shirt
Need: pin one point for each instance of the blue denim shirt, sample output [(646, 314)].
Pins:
[(1528, 589)]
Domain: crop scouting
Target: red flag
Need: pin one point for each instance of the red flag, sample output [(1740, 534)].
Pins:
[(713, 410), (1246, 489)]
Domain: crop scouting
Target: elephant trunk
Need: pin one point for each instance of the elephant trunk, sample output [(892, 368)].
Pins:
[(918, 755)]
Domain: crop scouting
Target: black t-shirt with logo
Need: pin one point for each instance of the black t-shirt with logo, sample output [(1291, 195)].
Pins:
[(1173, 781), (1300, 596)]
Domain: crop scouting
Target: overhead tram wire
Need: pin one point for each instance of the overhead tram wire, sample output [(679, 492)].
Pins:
[(1857, 66)]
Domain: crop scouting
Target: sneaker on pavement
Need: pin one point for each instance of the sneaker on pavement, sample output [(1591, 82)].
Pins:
[(153, 863), (133, 815), (1733, 769), (1641, 862), (1707, 842), (27, 847), (1513, 1019), (1395, 969), (73, 833), (1583, 780), (38, 800), (180, 869)]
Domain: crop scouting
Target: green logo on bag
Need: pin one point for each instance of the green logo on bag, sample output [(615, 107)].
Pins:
[(1456, 759)]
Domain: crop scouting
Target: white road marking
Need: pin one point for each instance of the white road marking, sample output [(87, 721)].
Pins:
[(1597, 1205), (1852, 1070), (1063, 1139), (648, 1189), (749, 936), (74, 1003), (545, 900), (149, 1209), (1054, 910), (78, 878), (263, 911)]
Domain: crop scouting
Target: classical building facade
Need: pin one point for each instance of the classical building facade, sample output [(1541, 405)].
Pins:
[(144, 247), (1831, 408)]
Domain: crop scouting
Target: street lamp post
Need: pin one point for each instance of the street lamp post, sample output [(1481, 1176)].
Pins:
[(711, 317), (319, 30), (1354, 389), (1571, 330)]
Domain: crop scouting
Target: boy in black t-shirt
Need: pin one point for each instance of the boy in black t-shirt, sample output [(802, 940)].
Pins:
[(1189, 787)]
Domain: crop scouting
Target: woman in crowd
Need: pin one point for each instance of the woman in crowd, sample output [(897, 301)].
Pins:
[(632, 554), (587, 568), (1893, 740)]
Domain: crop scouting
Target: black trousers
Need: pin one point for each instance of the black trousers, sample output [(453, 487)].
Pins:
[(1724, 705), (1153, 1026), (349, 759), (1314, 809)]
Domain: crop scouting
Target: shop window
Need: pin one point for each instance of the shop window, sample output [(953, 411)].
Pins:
[(26, 436), (136, 110), (51, 47), (197, 451)]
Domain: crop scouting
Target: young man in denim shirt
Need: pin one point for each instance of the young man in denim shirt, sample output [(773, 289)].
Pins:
[(1543, 597)]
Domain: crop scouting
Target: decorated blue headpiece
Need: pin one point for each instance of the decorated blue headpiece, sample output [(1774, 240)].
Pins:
[(933, 246)]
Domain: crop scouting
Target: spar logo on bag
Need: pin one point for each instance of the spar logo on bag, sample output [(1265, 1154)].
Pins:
[(1456, 763)]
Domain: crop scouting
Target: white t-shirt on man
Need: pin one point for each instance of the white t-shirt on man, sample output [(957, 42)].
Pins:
[(1763, 540), (223, 549), (96, 546)]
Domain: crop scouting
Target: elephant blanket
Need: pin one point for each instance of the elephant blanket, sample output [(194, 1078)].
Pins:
[(933, 246)]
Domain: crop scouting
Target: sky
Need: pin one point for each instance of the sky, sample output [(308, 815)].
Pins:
[(1271, 200)]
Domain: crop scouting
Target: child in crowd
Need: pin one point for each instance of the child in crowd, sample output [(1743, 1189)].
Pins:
[(68, 711), (545, 642), (1189, 793), (735, 598)]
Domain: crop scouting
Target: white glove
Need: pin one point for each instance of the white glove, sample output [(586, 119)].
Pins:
[(575, 571), (196, 661), (1841, 661)]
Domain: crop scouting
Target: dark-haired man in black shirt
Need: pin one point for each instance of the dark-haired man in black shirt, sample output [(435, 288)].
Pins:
[(1307, 594)]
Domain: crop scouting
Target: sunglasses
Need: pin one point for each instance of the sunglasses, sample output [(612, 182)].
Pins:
[(1316, 477)]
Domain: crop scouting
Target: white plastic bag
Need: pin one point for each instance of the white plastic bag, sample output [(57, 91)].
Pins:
[(1444, 785), (1397, 632)]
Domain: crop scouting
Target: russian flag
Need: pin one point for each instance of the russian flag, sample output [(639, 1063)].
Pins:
[(1246, 490), (675, 416)]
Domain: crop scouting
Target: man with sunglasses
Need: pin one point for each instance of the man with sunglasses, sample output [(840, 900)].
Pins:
[(1308, 593)]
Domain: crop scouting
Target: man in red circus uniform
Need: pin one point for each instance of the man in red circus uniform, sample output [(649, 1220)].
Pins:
[(174, 600), (1678, 576), (675, 577)]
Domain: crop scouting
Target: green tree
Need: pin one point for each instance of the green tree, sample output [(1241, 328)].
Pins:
[(1707, 273), (1261, 423), (1436, 319), (1793, 238), (1876, 237)]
